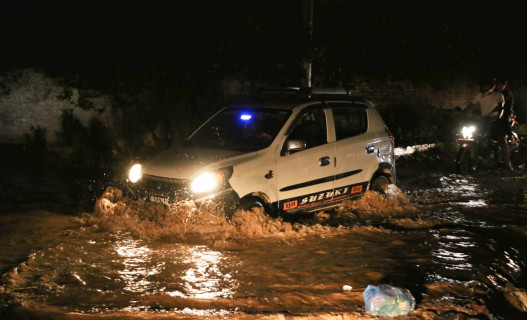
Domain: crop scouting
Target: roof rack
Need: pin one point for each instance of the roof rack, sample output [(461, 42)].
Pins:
[(329, 91), (279, 91), (304, 92)]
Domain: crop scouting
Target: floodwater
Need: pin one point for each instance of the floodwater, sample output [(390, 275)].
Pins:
[(456, 242)]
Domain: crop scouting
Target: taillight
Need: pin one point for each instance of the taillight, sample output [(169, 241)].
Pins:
[(389, 133)]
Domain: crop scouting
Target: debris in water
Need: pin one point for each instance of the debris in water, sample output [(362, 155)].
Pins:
[(386, 300)]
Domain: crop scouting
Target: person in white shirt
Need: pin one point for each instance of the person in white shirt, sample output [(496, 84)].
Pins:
[(490, 102)]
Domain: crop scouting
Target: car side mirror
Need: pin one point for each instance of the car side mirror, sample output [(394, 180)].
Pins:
[(293, 146)]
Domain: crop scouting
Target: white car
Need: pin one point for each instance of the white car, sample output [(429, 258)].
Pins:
[(300, 151)]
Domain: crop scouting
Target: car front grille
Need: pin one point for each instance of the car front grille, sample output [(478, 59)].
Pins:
[(173, 189)]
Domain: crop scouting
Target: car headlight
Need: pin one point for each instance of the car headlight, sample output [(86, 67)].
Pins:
[(468, 132), (205, 182), (211, 181), (135, 173)]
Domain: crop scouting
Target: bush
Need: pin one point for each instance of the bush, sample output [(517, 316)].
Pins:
[(84, 147), (36, 145)]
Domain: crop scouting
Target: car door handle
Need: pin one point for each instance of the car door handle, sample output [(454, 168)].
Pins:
[(324, 161), (370, 148)]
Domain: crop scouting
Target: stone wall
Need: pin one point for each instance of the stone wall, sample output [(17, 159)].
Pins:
[(386, 93), (395, 93), (29, 98)]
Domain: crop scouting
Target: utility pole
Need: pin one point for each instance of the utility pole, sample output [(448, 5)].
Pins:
[(308, 23)]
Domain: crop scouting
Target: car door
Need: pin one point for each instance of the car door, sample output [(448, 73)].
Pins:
[(355, 150), (305, 178)]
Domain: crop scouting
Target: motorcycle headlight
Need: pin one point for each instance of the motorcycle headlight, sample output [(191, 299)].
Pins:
[(135, 174), (211, 181), (468, 132)]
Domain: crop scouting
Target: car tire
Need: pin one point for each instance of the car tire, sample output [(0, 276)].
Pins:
[(380, 184), (251, 202)]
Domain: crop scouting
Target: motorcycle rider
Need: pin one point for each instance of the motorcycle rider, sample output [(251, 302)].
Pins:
[(490, 103), (508, 112)]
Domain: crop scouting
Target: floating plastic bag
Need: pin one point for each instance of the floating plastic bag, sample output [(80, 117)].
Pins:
[(386, 300)]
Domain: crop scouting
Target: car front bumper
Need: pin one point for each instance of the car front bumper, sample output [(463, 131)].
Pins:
[(169, 190)]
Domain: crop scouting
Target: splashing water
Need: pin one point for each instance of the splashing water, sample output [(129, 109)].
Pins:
[(131, 258)]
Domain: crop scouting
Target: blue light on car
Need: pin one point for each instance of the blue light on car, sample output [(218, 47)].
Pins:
[(246, 117)]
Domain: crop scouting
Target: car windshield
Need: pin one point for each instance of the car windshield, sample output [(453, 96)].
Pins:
[(239, 129)]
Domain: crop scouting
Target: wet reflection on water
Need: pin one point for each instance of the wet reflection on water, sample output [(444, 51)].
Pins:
[(459, 185), (458, 237), (136, 272), (511, 263), (452, 251), (176, 270), (204, 279), (476, 203)]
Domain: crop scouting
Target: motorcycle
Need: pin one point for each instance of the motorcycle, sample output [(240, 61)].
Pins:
[(479, 151)]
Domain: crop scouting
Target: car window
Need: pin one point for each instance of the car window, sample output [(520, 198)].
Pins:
[(311, 127), (238, 129), (349, 122)]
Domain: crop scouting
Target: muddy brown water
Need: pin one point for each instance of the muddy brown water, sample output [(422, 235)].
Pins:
[(456, 242)]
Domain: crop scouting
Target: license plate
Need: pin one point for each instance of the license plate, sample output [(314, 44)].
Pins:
[(158, 199)]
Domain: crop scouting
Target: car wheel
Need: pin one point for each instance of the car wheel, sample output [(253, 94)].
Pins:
[(380, 184), (251, 202)]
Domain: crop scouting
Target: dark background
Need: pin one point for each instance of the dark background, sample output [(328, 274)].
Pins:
[(167, 66), (264, 40)]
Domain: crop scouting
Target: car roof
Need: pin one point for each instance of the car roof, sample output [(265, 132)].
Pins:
[(290, 102)]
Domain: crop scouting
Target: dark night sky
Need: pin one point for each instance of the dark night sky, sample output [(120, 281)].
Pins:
[(263, 39)]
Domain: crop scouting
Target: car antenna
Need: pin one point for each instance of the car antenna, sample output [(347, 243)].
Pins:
[(308, 23)]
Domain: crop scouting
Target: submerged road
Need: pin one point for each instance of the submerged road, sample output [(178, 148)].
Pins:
[(456, 242)]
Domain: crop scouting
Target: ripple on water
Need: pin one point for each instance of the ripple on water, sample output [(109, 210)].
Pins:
[(137, 257)]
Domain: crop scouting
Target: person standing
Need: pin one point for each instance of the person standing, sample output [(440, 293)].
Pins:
[(490, 104), (508, 110)]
